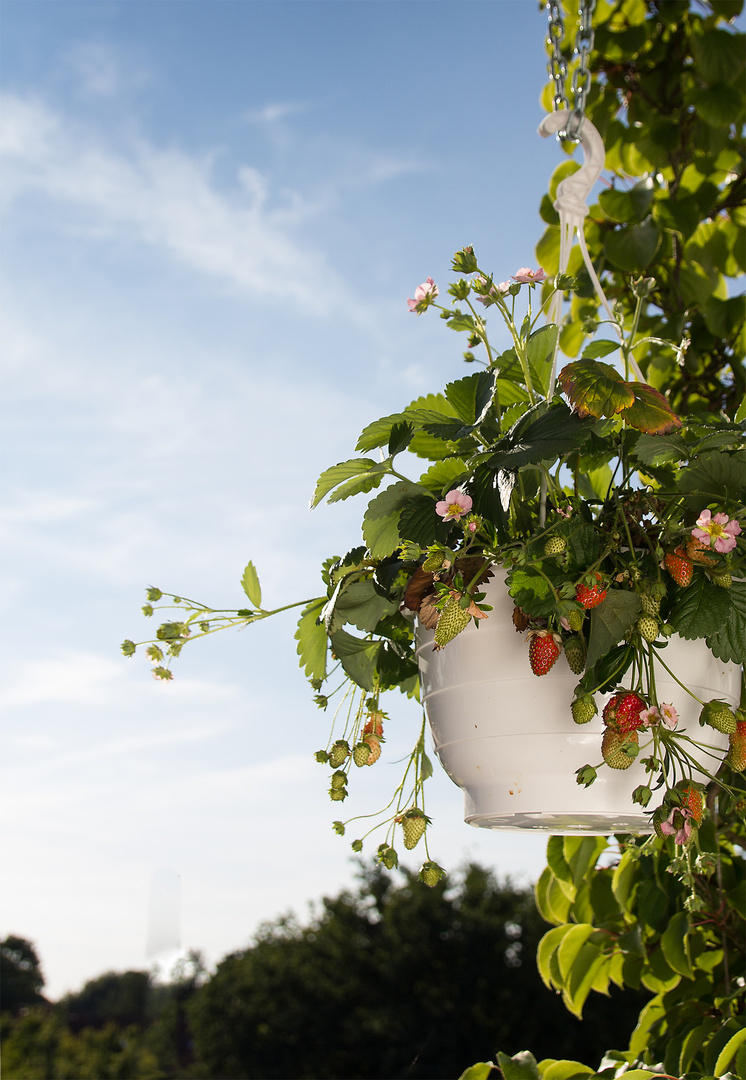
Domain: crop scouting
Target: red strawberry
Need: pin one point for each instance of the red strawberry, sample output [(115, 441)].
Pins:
[(374, 725), (374, 743), (591, 595), (691, 797), (679, 567), (622, 712), (695, 550), (543, 650)]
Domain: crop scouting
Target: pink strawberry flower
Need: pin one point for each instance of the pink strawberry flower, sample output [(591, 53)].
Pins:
[(650, 716), (526, 276), (424, 295), (454, 506), (669, 716), (678, 824), (719, 531)]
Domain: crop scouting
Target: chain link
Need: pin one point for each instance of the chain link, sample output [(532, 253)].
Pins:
[(557, 67)]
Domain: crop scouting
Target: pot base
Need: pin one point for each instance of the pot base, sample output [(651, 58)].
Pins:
[(558, 824)]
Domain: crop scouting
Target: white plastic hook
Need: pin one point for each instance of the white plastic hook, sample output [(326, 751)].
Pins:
[(573, 191), (572, 206)]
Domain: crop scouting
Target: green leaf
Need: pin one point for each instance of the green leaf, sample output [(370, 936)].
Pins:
[(417, 412), (693, 1042), (658, 975), (361, 605), (633, 247), (567, 1070), (471, 396), (335, 475), (675, 945), (728, 643), (251, 586), (714, 478), (360, 484), (595, 389), (419, 523), (551, 901), (718, 54), (599, 348), (540, 353), (480, 1071), (702, 608), (586, 966), (628, 206), (570, 946), (381, 521), (655, 450), (625, 877), (556, 860), (400, 437), (581, 855), (546, 950), (717, 1049), (312, 640), (531, 592), (445, 475), (358, 658), (553, 433), (610, 621), (521, 1066), (650, 1015)]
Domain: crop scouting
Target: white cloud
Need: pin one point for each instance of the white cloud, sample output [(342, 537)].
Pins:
[(102, 71), (166, 199), (90, 679)]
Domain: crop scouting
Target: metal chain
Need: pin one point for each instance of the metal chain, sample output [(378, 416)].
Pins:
[(557, 67)]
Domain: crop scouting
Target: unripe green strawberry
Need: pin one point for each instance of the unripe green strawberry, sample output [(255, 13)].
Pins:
[(575, 619), (575, 655), (413, 823), (719, 716), (647, 627), (614, 747), (555, 545), (339, 753), (736, 756), (431, 874), (337, 794), (361, 753), (651, 605), (583, 709), (723, 580), (453, 619), (338, 780), (434, 562)]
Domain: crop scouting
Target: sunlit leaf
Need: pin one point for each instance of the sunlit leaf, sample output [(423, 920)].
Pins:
[(595, 389)]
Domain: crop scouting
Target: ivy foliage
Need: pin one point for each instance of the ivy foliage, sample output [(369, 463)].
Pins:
[(668, 97)]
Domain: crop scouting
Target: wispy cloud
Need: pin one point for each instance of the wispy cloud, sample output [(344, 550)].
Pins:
[(276, 111), (102, 71), (164, 198)]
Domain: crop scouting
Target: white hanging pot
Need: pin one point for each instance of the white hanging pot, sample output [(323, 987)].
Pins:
[(508, 739)]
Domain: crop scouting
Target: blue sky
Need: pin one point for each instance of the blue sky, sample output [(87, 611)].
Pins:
[(213, 213)]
